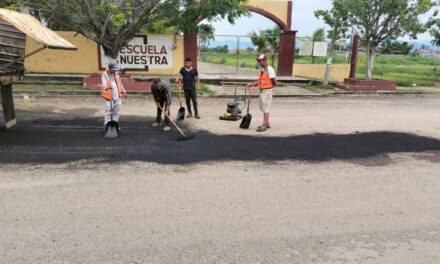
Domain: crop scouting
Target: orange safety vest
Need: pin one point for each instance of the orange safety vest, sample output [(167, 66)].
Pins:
[(107, 93), (264, 81)]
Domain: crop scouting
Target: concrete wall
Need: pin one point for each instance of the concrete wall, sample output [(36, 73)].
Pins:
[(85, 59), (317, 71)]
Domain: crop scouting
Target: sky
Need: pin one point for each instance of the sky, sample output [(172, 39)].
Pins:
[(303, 20)]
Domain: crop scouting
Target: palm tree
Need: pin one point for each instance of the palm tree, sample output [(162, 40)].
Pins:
[(318, 36), (206, 34), (273, 40), (259, 41)]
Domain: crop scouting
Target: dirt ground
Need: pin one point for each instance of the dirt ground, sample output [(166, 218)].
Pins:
[(336, 180)]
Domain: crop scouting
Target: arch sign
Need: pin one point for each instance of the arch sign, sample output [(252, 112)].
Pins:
[(143, 53)]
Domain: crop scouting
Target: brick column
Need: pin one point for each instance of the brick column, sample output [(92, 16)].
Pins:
[(354, 55), (286, 53), (190, 47)]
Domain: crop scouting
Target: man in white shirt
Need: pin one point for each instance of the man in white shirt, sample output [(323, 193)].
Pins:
[(266, 82), (112, 90)]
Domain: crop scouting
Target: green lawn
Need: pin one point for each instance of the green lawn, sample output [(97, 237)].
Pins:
[(404, 76), (405, 70), (203, 89)]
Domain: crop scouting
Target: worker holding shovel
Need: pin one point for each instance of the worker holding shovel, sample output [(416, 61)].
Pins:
[(265, 83), (112, 91), (189, 77), (162, 96)]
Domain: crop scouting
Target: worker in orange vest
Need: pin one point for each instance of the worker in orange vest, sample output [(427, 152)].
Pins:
[(112, 91), (266, 82)]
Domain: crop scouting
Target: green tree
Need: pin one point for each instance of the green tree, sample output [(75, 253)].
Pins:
[(259, 41), (206, 34), (339, 9), (337, 19), (380, 20), (435, 33), (222, 49), (186, 15), (272, 37), (391, 47), (434, 26), (158, 27), (8, 4), (319, 35), (109, 23)]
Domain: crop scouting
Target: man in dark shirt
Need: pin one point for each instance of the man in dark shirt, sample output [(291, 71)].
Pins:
[(189, 75), (162, 96)]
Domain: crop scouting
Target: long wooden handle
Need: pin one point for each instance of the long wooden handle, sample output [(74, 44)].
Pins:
[(172, 121), (179, 86), (249, 101)]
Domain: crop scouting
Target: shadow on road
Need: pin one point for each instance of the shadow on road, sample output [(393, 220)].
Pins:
[(58, 141)]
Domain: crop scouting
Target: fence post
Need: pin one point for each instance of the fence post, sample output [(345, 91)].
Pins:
[(382, 60), (410, 70), (238, 54)]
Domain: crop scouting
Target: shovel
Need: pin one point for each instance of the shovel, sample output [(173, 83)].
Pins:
[(181, 112), (182, 136), (246, 121), (112, 127)]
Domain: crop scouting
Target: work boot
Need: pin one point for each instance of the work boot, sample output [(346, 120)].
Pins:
[(262, 128), (157, 124), (189, 115), (166, 128), (197, 116)]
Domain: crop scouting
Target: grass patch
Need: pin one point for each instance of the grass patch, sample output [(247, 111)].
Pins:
[(242, 60), (404, 76), (203, 89), (405, 70), (47, 87)]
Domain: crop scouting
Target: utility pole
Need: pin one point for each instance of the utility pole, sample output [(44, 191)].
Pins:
[(332, 51)]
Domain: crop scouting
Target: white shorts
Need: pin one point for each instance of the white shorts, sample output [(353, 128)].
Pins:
[(265, 100)]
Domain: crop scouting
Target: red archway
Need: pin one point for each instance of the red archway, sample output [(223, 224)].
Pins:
[(270, 16), (286, 52)]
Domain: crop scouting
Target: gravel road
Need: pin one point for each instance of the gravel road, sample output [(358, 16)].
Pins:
[(336, 180)]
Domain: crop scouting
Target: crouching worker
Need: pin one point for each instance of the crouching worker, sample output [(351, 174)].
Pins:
[(112, 91), (162, 96)]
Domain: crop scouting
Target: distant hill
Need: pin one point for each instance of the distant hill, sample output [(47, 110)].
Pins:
[(232, 43), (417, 44)]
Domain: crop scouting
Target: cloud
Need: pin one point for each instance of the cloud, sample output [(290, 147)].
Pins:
[(303, 20)]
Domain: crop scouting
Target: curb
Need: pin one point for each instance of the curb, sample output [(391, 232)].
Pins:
[(135, 93)]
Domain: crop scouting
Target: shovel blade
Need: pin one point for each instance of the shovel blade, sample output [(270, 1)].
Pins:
[(181, 113), (246, 122), (112, 129)]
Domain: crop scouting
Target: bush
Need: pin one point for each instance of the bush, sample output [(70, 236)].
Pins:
[(204, 56)]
